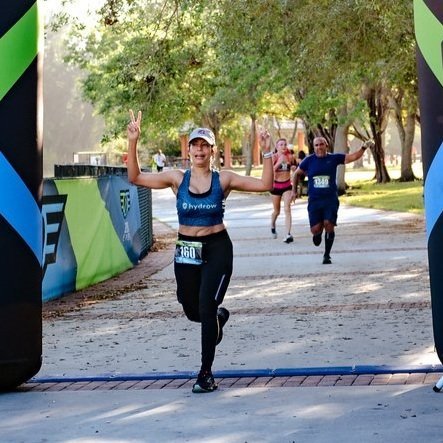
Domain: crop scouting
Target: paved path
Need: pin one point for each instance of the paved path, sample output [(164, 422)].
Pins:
[(312, 352), (370, 307)]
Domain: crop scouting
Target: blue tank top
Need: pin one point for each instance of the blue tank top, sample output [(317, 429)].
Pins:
[(205, 209)]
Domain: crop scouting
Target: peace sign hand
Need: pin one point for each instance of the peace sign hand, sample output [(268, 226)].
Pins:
[(134, 125)]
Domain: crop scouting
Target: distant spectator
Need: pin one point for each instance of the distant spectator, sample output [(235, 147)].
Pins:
[(160, 160), (301, 156)]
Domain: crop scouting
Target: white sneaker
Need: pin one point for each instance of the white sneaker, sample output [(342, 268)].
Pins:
[(289, 239)]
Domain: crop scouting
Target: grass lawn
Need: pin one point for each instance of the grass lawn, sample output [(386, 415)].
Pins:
[(393, 196)]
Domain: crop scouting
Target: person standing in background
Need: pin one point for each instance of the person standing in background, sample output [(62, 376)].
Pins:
[(160, 160)]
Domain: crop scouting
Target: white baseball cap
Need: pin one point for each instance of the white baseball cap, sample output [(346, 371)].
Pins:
[(204, 133)]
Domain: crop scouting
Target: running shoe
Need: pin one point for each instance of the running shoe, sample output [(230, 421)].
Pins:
[(289, 239), (223, 317), (205, 383), (327, 260), (273, 233), (316, 239)]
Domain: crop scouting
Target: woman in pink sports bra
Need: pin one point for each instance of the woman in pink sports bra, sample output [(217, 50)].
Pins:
[(283, 161)]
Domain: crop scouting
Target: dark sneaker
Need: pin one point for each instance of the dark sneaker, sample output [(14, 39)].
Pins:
[(316, 239), (223, 317), (327, 260), (205, 383), (289, 239), (273, 233)]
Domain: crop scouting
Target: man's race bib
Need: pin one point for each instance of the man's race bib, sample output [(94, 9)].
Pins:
[(188, 252), (321, 181)]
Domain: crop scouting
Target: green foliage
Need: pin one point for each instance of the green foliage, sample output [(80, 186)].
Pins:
[(192, 62), (155, 61)]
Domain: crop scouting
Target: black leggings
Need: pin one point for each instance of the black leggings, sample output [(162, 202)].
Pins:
[(201, 289)]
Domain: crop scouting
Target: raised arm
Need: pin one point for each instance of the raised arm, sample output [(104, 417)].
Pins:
[(349, 158), (233, 181), (156, 180), (133, 132)]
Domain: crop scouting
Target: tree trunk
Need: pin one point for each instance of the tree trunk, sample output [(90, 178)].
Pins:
[(381, 172), (320, 131), (377, 102), (292, 140), (407, 174), (212, 121), (216, 162), (406, 131), (341, 145), (250, 145)]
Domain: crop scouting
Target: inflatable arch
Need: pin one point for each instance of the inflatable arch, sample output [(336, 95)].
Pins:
[(21, 178), (429, 36), (20, 196)]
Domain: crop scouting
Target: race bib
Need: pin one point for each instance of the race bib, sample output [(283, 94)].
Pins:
[(188, 252), (321, 181)]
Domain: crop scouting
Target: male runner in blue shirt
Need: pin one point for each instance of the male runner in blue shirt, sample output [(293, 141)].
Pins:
[(323, 203)]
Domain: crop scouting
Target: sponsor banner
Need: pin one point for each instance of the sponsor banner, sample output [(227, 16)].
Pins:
[(121, 201), (59, 263), (92, 231)]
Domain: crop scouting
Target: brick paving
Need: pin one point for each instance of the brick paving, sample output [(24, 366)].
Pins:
[(297, 381), (336, 308)]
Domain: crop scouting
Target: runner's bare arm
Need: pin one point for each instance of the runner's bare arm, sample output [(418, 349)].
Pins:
[(166, 179), (295, 181), (233, 181), (358, 154)]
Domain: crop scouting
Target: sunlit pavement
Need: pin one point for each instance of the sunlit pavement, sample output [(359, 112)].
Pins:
[(294, 365)]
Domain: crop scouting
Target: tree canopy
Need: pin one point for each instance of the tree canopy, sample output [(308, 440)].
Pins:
[(195, 62)]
